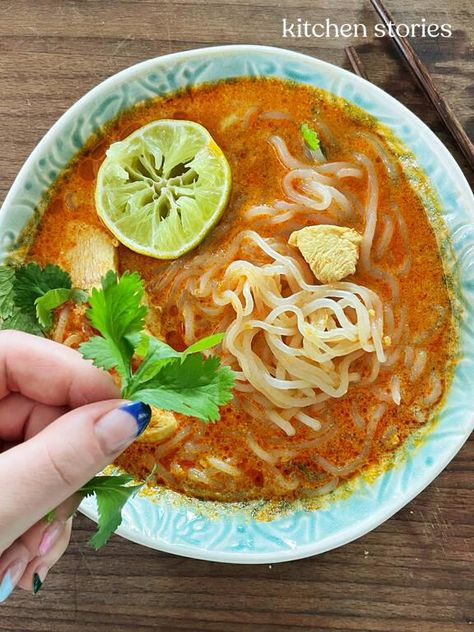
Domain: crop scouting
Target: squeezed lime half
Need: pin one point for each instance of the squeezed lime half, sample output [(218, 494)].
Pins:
[(163, 188)]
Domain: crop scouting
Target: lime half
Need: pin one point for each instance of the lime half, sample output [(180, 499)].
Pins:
[(162, 189)]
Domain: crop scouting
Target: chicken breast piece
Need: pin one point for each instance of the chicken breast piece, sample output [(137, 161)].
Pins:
[(94, 253), (88, 254), (332, 252)]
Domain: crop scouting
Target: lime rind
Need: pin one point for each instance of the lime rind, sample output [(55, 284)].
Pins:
[(162, 189)]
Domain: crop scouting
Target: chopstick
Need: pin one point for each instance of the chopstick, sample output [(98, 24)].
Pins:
[(356, 62), (426, 83)]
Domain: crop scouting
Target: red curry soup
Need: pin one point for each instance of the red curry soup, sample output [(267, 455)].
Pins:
[(323, 272)]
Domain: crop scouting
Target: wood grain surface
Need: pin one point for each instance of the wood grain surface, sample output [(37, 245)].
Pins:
[(415, 572)]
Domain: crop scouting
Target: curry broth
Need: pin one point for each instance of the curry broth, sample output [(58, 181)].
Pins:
[(229, 111)]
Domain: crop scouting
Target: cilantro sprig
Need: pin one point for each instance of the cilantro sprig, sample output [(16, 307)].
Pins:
[(112, 493), (117, 312), (29, 294), (180, 381)]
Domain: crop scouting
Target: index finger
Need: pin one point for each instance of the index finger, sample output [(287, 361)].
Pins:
[(49, 372)]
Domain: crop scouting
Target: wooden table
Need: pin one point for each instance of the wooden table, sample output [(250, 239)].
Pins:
[(413, 573)]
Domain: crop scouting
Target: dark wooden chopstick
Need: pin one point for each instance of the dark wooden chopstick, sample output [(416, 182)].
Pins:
[(356, 62), (426, 83)]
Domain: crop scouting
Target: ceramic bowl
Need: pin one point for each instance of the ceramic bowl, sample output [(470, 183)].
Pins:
[(231, 533)]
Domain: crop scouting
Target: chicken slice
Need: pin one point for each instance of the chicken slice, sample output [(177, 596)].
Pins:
[(88, 254), (332, 252), (94, 253)]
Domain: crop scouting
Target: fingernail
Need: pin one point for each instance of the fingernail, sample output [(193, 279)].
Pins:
[(140, 412), (121, 426), (38, 578), (50, 536), (10, 579)]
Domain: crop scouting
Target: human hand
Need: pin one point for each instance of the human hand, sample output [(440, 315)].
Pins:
[(60, 423)]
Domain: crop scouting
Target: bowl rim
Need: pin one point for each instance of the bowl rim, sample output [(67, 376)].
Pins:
[(369, 522)]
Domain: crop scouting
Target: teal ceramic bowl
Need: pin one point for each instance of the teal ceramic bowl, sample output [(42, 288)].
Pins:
[(231, 533)]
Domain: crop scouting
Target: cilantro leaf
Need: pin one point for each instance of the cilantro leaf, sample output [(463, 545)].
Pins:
[(22, 321), (32, 282), (205, 343), (7, 277), (116, 311), (193, 386), (47, 303), (11, 316), (141, 344), (310, 137), (112, 492), (100, 351), (29, 294), (157, 355)]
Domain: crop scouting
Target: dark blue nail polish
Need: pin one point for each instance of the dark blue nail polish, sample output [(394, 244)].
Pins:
[(37, 583), (140, 412)]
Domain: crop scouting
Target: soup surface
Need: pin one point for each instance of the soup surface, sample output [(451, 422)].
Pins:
[(278, 438)]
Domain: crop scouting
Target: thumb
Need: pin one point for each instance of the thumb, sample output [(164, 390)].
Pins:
[(41, 473)]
